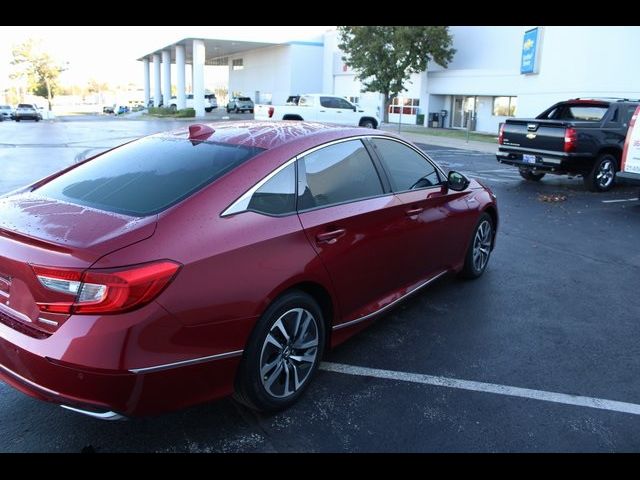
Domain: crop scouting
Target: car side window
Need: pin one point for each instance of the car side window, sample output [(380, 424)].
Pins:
[(338, 173), (278, 195), (328, 102), (341, 103), (407, 169)]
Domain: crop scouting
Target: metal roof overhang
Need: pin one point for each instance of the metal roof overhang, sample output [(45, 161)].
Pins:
[(215, 49)]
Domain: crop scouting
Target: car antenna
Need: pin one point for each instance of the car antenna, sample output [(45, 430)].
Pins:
[(201, 132)]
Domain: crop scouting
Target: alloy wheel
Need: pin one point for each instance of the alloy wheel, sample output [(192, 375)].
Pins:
[(605, 174), (289, 353), (482, 246)]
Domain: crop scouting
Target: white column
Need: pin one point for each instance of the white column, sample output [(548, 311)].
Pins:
[(180, 83), (198, 77), (157, 93), (166, 78), (147, 81)]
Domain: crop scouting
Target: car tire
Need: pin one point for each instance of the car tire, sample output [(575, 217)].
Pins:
[(602, 176), (527, 174), (268, 377), (17, 119), (367, 123), (228, 110), (237, 110), (208, 110), (479, 251)]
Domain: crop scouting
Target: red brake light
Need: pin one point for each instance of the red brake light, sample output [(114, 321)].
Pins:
[(106, 291), (570, 139), (501, 134), (271, 110)]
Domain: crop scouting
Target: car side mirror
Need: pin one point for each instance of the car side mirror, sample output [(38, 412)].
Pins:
[(355, 108), (457, 181)]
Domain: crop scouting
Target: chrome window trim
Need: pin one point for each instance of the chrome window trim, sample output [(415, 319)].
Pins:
[(240, 205), (185, 363), (388, 306)]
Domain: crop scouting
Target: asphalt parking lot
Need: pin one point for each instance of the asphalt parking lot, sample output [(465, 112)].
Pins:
[(540, 354)]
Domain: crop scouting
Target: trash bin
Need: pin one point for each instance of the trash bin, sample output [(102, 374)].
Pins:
[(420, 119)]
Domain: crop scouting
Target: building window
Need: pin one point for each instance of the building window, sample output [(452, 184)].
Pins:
[(504, 106), (406, 106), (354, 100), (237, 64)]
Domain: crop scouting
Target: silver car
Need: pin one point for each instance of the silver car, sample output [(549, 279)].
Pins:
[(6, 112), (240, 104)]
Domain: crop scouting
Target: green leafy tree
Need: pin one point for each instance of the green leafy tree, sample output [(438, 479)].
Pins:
[(39, 68), (384, 57)]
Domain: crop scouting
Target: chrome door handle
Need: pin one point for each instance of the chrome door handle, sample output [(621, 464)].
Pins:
[(330, 237), (412, 212)]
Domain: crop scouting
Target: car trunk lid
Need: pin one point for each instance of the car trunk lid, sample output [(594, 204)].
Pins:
[(51, 233)]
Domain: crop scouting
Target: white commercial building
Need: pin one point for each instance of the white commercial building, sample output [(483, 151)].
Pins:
[(496, 72)]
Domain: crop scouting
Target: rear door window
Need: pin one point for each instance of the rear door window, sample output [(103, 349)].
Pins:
[(339, 173), (146, 176)]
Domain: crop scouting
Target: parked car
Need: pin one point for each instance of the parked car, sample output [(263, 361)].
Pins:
[(27, 111), (108, 109), (576, 137), (231, 256), (319, 107), (6, 112), (240, 104), (210, 102), (122, 109)]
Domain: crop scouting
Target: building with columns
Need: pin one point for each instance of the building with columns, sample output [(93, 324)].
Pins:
[(497, 72)]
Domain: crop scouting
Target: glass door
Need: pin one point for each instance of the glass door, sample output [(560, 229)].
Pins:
[(464, 111)]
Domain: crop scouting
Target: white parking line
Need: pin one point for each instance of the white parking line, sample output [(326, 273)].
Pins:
[(623, 200), (590, 402)]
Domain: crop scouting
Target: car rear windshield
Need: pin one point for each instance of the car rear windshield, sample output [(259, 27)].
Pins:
[(25, 105), (586, 113), (146, 176), (244, 99)]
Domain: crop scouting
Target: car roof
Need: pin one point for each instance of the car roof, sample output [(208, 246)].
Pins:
[(269, 135)]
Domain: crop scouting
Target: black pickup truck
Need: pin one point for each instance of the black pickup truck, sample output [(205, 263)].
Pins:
[(575, 137)]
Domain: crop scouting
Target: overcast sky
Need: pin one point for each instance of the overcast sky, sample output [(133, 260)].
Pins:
[(109, 54)]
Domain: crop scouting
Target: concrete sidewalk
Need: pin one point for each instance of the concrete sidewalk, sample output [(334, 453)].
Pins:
[(419, 137)]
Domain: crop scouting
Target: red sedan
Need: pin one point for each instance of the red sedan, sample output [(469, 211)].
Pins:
[(186, 266)]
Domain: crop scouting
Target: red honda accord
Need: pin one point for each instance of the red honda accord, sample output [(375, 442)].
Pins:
[(186, 266)]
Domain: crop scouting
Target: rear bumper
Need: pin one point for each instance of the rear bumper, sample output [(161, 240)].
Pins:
[(129, 371), (628, 178), (548, 163)]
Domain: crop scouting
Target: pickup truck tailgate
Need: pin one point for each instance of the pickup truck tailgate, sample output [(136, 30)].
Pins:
[(534, 134)]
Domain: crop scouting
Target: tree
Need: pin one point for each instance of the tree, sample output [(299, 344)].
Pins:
[(38, 67), (384, 57)]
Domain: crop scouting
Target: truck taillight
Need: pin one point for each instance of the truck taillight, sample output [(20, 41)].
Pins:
[(105, 291), (271, 110), (570, 139), (501, 134)]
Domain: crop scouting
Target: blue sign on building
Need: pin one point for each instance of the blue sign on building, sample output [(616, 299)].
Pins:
[(529, 51)]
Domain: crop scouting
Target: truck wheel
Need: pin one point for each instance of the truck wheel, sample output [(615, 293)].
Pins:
[(367, 123), (603, 174), (527, 174)]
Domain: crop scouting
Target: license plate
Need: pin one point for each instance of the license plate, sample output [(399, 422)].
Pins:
[(529, 158)]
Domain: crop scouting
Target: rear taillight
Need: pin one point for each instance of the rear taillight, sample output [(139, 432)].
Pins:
[(570, 140), (501, 134), (105, 291), (271, 110)]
